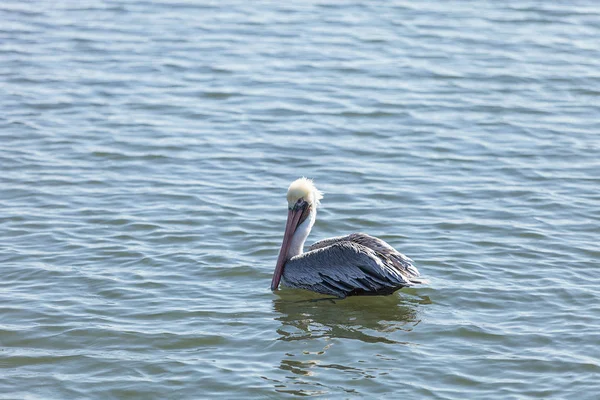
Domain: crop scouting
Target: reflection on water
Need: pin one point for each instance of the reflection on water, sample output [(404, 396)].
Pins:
[(318, 322), (369, 319)]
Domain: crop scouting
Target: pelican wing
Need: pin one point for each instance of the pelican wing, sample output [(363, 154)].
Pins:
[(384, 251), (342, 269)]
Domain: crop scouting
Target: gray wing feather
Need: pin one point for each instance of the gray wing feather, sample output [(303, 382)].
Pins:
[(343, 269), (386, 252)]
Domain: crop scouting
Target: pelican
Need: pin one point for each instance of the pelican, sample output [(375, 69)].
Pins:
[(356, 264)]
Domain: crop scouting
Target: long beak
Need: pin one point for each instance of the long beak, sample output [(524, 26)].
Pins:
[(290, 227)]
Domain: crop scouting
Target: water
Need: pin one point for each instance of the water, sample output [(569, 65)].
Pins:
[(145, 152)]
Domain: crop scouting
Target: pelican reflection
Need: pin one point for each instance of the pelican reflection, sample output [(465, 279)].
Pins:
[(369, 319)]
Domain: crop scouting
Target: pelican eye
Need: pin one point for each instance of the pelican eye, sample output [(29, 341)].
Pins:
[(299, 204)]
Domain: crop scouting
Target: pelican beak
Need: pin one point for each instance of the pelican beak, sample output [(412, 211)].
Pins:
[(293, 220)]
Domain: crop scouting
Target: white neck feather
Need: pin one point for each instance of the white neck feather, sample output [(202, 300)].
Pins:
[(297, 244)]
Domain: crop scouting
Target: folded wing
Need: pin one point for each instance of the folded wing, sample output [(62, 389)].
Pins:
[(384, 251), (342, 267)]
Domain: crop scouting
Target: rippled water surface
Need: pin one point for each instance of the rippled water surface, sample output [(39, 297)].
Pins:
[(145, 151)]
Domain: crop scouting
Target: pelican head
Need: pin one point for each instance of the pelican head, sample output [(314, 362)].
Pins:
[(303, 198), (303, 189)]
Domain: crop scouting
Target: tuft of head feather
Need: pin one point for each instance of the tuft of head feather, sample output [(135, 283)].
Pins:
[(304, 188)]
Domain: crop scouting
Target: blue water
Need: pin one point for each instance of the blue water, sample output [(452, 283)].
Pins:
[(145, 152)]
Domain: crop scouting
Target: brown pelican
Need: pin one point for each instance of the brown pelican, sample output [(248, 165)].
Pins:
[(356, 264)]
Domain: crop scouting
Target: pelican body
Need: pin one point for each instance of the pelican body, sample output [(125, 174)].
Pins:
[(356, 264)]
